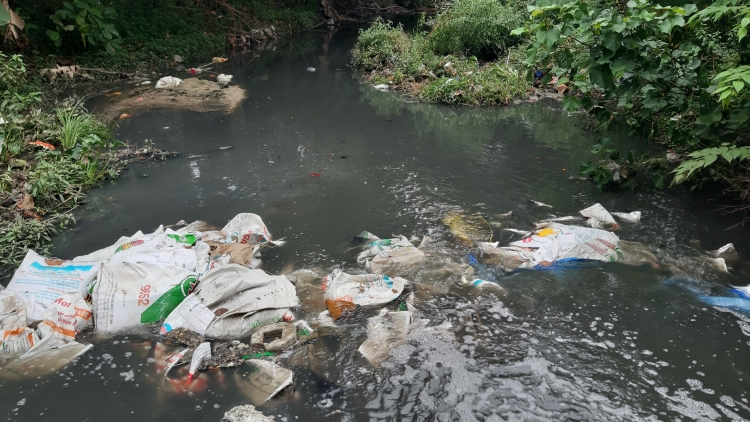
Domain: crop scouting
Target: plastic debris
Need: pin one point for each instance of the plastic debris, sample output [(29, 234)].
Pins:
[(231, 301), (539, 204), (146, 83), (392, 257), (223, 79), (385, 332), (598, 217), (382, 87), (168, 81), (628, 217), (339, 308), (200, 354), (41, 281), (311, 69), (259, 380), (66, 317), (363, 290), (128, 294), (468, 227), (505, 215), (219, 59), (195, 70)]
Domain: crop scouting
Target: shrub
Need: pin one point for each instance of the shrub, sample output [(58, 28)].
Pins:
[(378, 45), (476, 27)]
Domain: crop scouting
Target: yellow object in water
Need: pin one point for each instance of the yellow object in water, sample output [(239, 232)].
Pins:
[(468, 227)]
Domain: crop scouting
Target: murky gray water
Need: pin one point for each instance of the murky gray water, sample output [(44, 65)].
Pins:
[(603, 342)]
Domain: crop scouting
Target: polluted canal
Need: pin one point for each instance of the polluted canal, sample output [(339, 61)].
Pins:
[(461, 329)]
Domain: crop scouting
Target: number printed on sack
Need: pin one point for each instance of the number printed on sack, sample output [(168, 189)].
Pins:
[(143, 295)]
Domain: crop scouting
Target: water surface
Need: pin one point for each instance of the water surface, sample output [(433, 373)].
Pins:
[(604, 342)]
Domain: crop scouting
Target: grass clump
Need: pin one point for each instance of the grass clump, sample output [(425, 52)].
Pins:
[(493, 84), (412, 63)]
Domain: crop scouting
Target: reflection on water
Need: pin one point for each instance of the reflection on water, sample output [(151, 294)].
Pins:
[(604, 342)]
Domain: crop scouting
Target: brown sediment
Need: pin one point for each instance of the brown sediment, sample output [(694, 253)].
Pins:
[(201, 95)]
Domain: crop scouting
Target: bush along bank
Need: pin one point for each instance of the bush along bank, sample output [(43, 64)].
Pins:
[(675, 74), (49, 156), (465, 55), (141, 35)]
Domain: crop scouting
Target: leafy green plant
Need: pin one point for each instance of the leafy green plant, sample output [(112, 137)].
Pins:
[(19, 235), (730, 83), (91, 20), (737, 10), (614, 170), (475, 27), (706, 159)]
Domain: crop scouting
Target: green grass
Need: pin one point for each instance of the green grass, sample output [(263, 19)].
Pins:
[(494, 84), (389, 55), (478, 28)]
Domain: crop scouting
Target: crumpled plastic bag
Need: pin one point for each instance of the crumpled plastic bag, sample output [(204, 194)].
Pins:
[(391, 257), (168, 81), (363, 290), (385, 332)]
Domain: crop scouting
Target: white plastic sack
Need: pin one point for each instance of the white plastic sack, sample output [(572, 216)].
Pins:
[(598, 212), (231, 301), (16, 341), (385, 332), (561, 242), (247, 228), (12, 310), (129, 294), (168, 81), (104, 254), (364, 290), (49, 355), (630, 217), (42, 281), (67, 316), (160, 247), (390, 256)]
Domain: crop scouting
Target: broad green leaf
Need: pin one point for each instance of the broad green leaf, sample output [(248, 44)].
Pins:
[(738, 85), (741, 33), (53, 35), (709, 160), (4, 16), (571, 103), (601, 75), (612, 41), (518, 31)]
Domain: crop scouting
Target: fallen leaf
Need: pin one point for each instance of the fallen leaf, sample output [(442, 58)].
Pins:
[(26, 203), (211, 76), (124, 116), (112, 94), (219, 59), (562, 88)]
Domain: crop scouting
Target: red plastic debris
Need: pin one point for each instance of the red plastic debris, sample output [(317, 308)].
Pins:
[(315, 174)]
